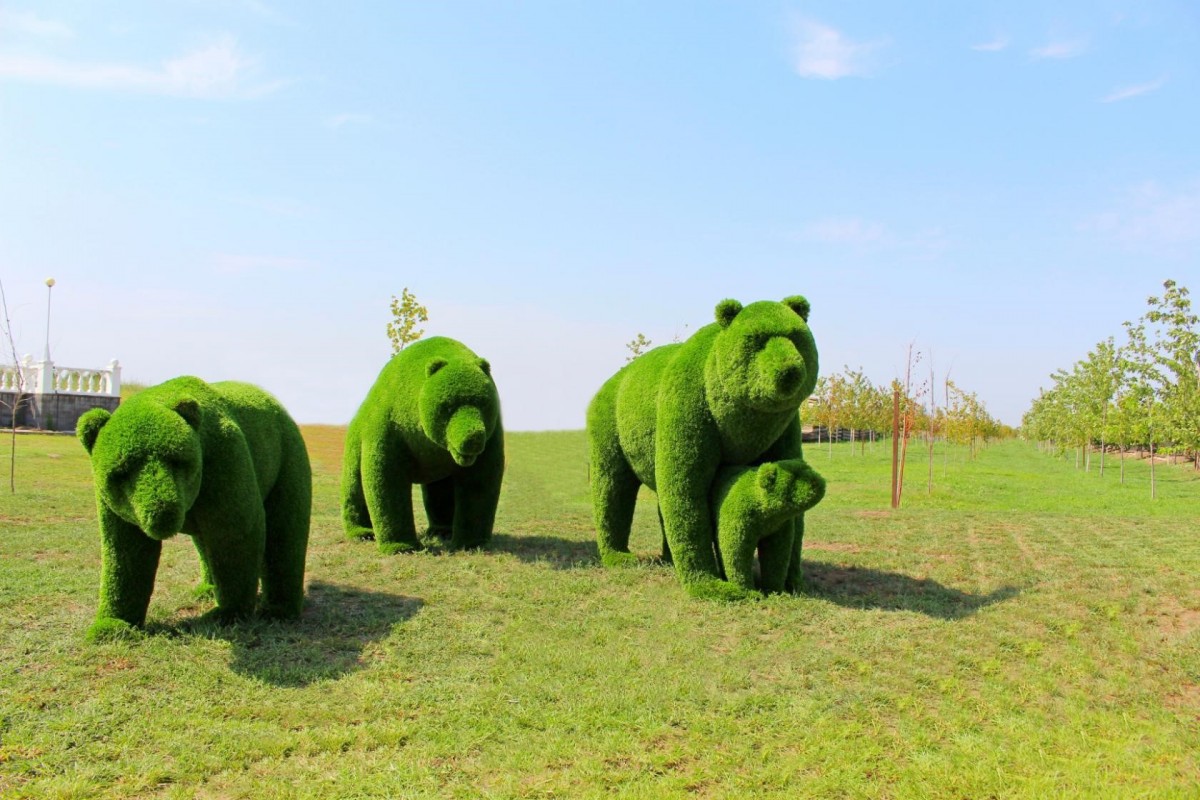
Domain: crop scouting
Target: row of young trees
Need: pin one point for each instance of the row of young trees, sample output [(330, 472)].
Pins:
[(848, 400), (1140, 395)]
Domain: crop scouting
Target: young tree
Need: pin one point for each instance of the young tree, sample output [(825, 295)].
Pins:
[(1145, 387), (638, 346), (1176, 349), (910, 410), (19, 396), (406, 314)]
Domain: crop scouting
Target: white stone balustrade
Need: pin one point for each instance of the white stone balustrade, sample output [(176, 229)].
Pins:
[(43, 377)]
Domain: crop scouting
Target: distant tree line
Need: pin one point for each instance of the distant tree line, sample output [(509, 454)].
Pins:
[(848, 400), (1142, 395)]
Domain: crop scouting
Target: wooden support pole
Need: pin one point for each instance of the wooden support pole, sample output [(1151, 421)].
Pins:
[(895, 448)]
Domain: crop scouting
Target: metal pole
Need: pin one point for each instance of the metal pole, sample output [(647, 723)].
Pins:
[(49, 291), (895, 448)]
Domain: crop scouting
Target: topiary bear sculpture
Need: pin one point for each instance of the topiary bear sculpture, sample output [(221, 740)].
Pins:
[(672, 417), (222, 462), (751, 505), (433, 418)]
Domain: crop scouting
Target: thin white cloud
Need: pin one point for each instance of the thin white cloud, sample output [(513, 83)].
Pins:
[(843, 231), (994, 46), (1136, 90), (30, 24), (866, 235), (341, 120), (1153, 218), (820, 51), (1059, 50), (231, 263), (279, 206), (215, 70)]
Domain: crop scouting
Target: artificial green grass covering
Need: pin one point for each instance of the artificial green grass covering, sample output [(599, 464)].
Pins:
[(672, 417), (222, 462), (431, 418), (751, 505)]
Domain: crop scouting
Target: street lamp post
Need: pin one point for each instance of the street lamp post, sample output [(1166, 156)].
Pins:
[(49, 291)]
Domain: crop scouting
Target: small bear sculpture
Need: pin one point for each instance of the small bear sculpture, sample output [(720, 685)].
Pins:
[(431, 418), (750, 505), (222, 462)]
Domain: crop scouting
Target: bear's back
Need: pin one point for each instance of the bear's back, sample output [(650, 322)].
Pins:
[(270, 434)]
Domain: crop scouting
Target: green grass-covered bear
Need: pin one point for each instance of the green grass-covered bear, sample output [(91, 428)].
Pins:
[(751, 505), (672, 417), (222, 462), (432, 418)]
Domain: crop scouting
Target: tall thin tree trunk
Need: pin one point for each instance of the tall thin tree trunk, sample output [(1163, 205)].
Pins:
[(1153, 487)]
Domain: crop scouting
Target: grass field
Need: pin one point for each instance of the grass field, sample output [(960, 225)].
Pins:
[(1026, 630)]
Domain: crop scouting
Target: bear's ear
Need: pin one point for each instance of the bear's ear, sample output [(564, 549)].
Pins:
[(768, 474), (89, 425), (485, 366), (189, 409), (799, 305), (726, 311), (434, 365)]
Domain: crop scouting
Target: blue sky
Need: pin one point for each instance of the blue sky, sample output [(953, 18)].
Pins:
[(235, 188)]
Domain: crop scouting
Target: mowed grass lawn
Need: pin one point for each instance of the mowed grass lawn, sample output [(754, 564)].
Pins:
[(1026, 630)]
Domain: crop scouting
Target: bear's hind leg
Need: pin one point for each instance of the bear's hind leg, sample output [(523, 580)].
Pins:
[(614, 497), (288, 509), (795, 575), (356, 521), (128, 565)]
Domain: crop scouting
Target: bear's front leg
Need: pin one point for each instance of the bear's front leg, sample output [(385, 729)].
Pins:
[(774, 558), (439, 507), (476, 495), (387, 486), (737, 538), (231, 549), (128, 564)]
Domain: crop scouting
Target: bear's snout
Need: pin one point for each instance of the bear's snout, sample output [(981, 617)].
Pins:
[(789, 379), (466, 435), (156, 503)]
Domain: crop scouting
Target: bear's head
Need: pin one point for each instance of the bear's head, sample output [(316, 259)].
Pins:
[(459, 406), (788, 487), (147, 461), (764, 355)]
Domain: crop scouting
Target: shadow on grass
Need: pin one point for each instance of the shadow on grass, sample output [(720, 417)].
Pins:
[(326, 642), (858, 587), (554, 551)]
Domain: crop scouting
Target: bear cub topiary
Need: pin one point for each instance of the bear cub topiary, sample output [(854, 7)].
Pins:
[(431, 418), (222, 462), (751, 505)]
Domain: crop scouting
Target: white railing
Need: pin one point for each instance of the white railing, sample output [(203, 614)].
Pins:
[(14, 379), (43, 377)]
